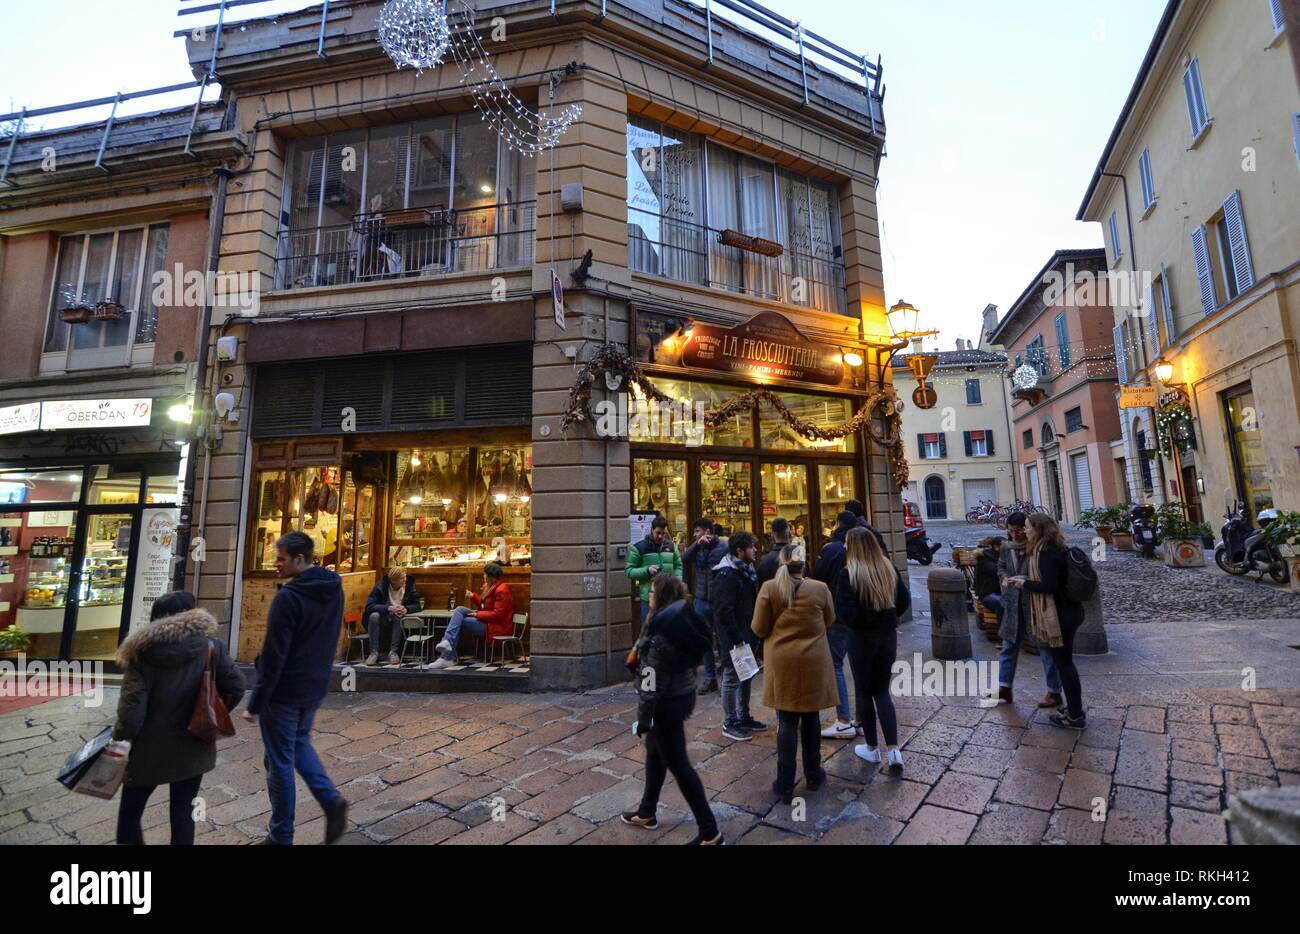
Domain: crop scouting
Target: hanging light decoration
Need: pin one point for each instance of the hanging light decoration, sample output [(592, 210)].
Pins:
[(414, 33)]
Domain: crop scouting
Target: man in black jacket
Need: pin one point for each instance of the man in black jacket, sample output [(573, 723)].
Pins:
[(733, 589), (386, 608), (707, 549), (293, 673), (830, 562), (771, 560)]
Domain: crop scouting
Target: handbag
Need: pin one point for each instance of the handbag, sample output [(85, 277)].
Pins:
[(210, 718)]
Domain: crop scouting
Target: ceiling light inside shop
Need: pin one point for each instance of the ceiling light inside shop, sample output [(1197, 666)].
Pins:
[(415, 499), (500, 497), (485, 188)]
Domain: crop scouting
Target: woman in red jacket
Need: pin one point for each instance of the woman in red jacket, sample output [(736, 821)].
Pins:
[(493, 614)]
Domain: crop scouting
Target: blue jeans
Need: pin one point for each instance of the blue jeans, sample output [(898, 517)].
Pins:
[(838, 636), (994, 602), (710, 667), (735, 693), (461, 619), (286, 735), (1010, 654)]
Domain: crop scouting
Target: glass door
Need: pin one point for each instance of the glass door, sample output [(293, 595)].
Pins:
[(100, 581), (1247, 452)]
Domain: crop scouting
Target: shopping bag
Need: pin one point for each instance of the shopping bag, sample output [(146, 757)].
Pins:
[(81, 760), (742, 659), (105, 774)]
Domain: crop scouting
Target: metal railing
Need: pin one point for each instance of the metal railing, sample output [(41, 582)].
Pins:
[(407, 243), (693, 253)]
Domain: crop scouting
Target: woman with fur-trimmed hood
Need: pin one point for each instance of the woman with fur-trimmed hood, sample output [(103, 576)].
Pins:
[(163, 665)]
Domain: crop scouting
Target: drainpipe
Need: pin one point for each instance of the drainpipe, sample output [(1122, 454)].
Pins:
[(185, 525)]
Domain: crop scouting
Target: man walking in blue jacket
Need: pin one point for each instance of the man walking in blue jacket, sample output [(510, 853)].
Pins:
[(293, 673)]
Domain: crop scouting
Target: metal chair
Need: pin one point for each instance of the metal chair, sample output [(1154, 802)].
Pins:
[(421, 639), (521, 627), (353, 623)]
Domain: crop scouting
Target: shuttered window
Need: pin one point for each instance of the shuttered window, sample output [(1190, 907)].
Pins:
[(1166, 299), (1062, 342), (1196, 110), (445, 388), (1116, 250), (1204, 272), (1234, 225), (1152, 319), (1148, 184), (1295, 135), (1279, 19), (1121, 360)]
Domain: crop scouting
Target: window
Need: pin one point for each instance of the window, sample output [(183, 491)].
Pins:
[(1036, 355), (822, 411), (116, 266), (979, 443), (438, 195), (1148, 185), (973, 396), (1121, 358), (1073, 419), (683, 192), (1113, 223), (1226, 274), (1144, 461), (1027, 438), (1063, 342), (1196, 111), (1221, 250), (1166, 308), (932, 445), (1279, 18), (1295, 135)]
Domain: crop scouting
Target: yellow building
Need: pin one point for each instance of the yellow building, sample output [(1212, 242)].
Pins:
[(1198, 194)]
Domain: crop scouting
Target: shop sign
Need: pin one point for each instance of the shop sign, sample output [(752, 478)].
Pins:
[(95, 413), (1137, 397), (767, 346), (16, 418), (153, 561), (1173, 396), (557, 300)]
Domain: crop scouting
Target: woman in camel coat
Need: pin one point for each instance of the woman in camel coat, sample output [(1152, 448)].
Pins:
[(791, 615)]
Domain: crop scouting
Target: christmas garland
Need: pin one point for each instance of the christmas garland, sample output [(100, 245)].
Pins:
[(611, 359), (1174, 427)]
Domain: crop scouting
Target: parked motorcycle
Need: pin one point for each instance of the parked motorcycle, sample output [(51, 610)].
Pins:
[(919, 545), (1144, 529), (1243, 549)]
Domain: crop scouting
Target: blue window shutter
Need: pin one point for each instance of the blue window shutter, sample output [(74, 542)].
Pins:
[(1116, 249), (1295, 135), (1238, 243), (1171, 329), (1153, 328), (1279, 20), (1204, 274), (1121, 361), (1148, 184)]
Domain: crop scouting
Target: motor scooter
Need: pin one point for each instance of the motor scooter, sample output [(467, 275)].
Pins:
[(1261, 555), (1230, 553), (919, 545), (1144, 529)]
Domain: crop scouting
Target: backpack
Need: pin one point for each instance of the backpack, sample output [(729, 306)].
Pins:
[(1080, 575)]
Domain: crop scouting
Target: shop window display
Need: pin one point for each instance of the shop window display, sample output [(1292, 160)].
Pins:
[(822, 411), (836, 489), (660, 424), (726, 493), (785, 494), (659, 485)]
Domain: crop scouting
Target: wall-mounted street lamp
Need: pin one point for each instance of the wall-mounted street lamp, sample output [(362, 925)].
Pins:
[(903, 319), (1164, 371)]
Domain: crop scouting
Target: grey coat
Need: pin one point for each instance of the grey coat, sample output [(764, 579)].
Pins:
[(1012, 562), (163, 664)]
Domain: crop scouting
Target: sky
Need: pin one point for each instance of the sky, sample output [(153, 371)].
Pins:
[(996, 115)]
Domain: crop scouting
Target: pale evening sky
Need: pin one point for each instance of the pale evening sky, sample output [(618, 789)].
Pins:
[(997, 113)]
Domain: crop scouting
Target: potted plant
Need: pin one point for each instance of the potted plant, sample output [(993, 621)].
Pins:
[(107, 310), (76, 311), (1184, 540), (13, 641), (1121, 526), (1283, 533), (1096, 518)]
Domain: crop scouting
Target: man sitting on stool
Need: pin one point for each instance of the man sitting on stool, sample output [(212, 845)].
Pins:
[(493, 615), (386, 607)]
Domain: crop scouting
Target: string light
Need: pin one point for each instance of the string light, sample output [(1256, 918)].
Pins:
[(414, 33)]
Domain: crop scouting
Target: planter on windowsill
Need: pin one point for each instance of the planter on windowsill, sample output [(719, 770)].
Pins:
[(77, 313), (1184, 553), (107, 311), (1123, 541)]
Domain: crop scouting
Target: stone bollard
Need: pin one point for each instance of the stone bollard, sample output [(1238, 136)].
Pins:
[(1091, 636), (949, 628)]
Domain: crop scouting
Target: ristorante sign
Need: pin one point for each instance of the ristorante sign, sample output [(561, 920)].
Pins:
[(767, 346)]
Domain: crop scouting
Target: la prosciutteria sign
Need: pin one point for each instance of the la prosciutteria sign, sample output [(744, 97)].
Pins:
[(767, 346)]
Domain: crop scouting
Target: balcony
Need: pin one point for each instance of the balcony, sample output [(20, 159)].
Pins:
[(695, 254), (407, 243)]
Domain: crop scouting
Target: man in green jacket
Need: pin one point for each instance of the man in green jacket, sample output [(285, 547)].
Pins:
[(653, 555)]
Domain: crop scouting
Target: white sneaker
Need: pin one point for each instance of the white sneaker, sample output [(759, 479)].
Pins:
[(443, 646), (839, 730), (439, 664), (866, 753), (895, 759)]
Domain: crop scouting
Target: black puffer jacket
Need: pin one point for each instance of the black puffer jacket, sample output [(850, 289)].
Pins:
[(733, 593), (986, 573), (673, 644), (163, 664), (852, 612), (1052, 569)]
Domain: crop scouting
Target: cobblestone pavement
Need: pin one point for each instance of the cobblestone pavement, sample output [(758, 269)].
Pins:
[(559, 768)]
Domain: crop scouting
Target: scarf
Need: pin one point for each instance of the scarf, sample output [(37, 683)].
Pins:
[(745, 568), (1043, 621)]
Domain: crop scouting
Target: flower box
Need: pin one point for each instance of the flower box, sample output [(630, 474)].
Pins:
[(107, 310), (76, 314), (1184, 553), (1123, 541)]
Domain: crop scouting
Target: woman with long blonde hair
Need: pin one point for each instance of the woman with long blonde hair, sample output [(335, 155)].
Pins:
[(1053, 617), (870, 594), (791, 615)]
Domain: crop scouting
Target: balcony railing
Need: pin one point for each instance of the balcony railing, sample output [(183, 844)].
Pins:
[(407, 243), (693, 253)]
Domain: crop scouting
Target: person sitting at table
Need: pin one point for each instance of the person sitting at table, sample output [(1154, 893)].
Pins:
[(386, 607), (492, 614)]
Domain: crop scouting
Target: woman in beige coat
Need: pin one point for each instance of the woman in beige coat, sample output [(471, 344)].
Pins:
[(791, 615)]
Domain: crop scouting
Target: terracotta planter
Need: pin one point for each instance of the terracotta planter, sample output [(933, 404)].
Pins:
[(1123, 541), (108, 311), (1103, 532), (74, 314), (1184, 553), (12, 653), (1293, 565)]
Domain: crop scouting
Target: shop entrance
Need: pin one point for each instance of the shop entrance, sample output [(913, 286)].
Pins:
[(84, 551)]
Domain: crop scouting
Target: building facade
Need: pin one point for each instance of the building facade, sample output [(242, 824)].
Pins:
[(401, 391), (98, 351), (960, 451), (1198, 195), (1062, 372)]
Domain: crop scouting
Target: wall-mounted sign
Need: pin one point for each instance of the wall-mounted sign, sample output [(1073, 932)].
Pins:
[(16, 418), (767, 346), (1174, 395), (557, 300), (1137, 397), (63, 414)]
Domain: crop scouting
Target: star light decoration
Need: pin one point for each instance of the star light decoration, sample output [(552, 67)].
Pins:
[(414, 33), (1026, 377)]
